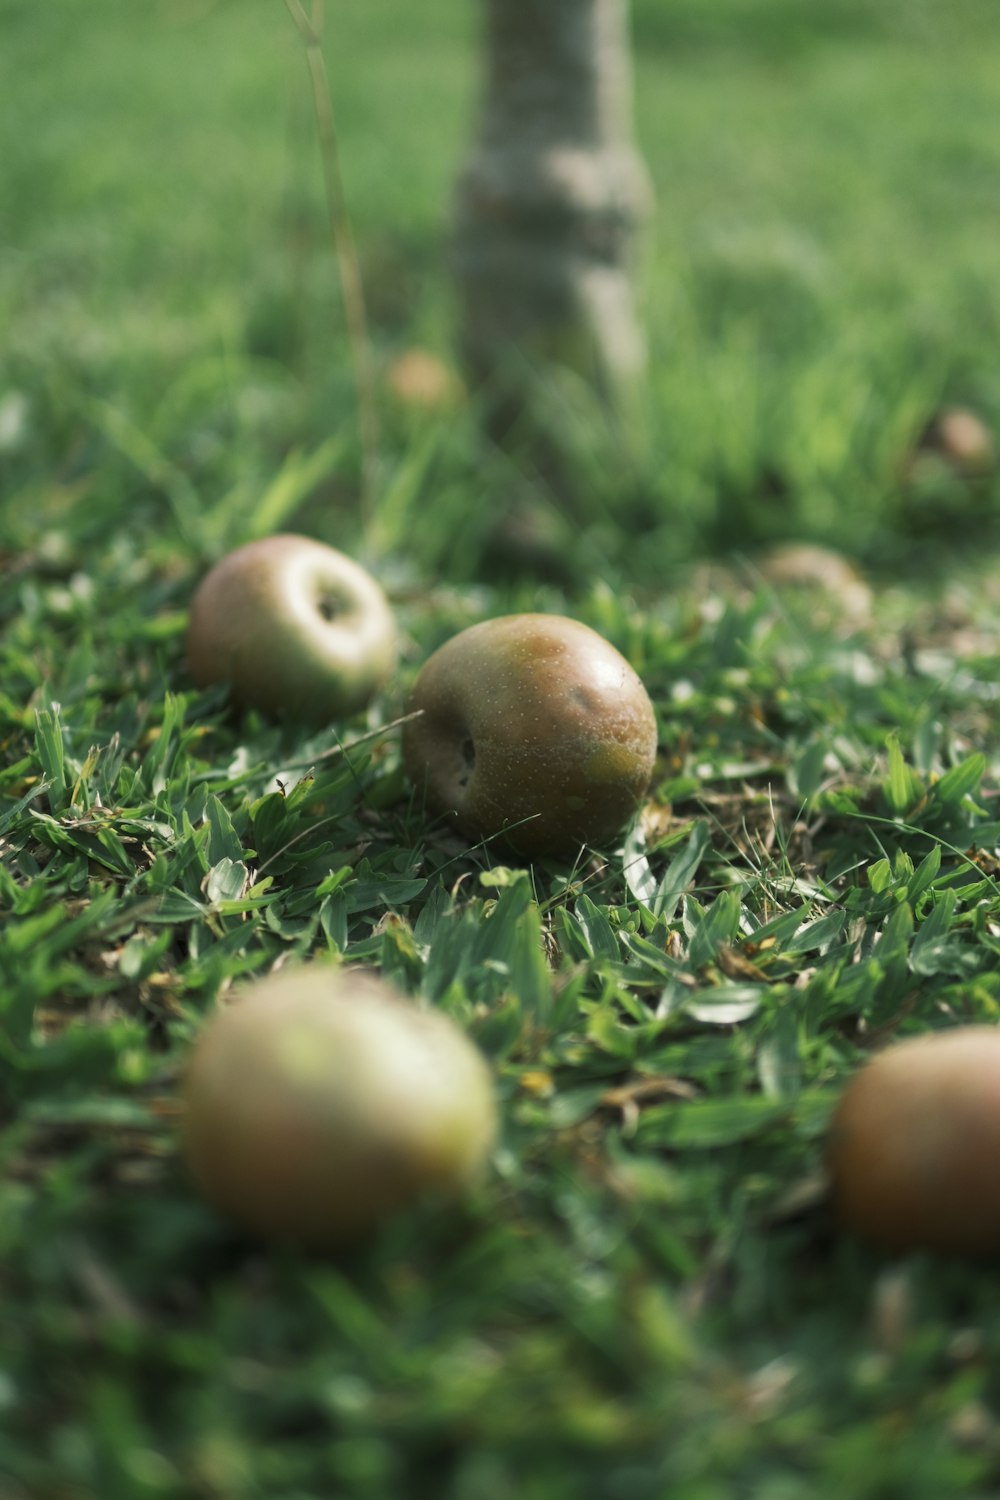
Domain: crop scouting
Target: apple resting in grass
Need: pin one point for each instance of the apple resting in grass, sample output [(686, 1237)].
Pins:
[(914, 1145), (534, 728), (294, 627), (963, 440), (320, 1102)]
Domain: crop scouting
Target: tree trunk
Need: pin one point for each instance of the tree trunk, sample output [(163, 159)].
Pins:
[(549, 201)]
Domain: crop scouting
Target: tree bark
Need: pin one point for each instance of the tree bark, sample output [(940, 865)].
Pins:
[(550, 199)]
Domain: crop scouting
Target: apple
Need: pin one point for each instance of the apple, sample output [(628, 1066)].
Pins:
[(420, 381), (963, 440), (321, 1101), (915, 1141), (824, 576), (532, 728), (956, 442), (296, 628)]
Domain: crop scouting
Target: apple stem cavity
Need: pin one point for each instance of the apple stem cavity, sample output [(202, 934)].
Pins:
[(295, 628), (330, 606)]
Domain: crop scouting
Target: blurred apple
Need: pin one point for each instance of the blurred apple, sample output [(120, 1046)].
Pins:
[(963, 440), (294, 627), (826, 577), (421, 381), (914, 1144), (320, 1102), (954, 444), (532, 728)]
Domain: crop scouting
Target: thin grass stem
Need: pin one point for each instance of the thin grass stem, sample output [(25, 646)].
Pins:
[(341, 232)]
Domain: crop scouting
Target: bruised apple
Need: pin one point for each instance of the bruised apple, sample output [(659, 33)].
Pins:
[(532, 728), (296, 629), (320, 1102), (915, 1142)]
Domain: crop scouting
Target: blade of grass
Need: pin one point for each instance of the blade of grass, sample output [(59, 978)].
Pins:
[(342, 235)]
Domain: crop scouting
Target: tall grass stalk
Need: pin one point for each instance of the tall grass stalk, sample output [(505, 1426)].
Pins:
[(311, 30)]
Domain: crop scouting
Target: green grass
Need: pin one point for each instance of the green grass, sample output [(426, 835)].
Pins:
[(648, 1296)]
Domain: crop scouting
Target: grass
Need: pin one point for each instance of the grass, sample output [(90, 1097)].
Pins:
[(648, 1296)]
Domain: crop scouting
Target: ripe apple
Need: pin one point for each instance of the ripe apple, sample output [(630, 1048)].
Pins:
[(534, 728), (297, 629), (321, 1101), (914, 1145)]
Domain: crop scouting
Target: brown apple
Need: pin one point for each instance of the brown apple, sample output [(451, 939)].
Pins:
[(296, 629), (534, 729), (915, 1141), (320, 1102)]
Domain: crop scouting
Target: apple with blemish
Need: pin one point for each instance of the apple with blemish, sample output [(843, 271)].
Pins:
[(533, 729), (296, 628), (320, 1102)]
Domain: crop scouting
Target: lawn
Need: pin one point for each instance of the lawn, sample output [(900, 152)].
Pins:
[(648, 1295)]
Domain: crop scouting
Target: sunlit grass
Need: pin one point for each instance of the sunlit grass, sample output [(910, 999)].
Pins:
[(648, 1296)]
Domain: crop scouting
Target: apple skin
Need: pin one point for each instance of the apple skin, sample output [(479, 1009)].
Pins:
[(321, 1101), (915, 1141), (531, 717), (296, 628)]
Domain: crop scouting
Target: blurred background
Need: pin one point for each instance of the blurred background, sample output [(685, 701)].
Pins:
[(818, 281)]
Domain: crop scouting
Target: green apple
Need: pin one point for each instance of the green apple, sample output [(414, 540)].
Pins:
[(320, 1102), (532, 728), (296, 629)]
